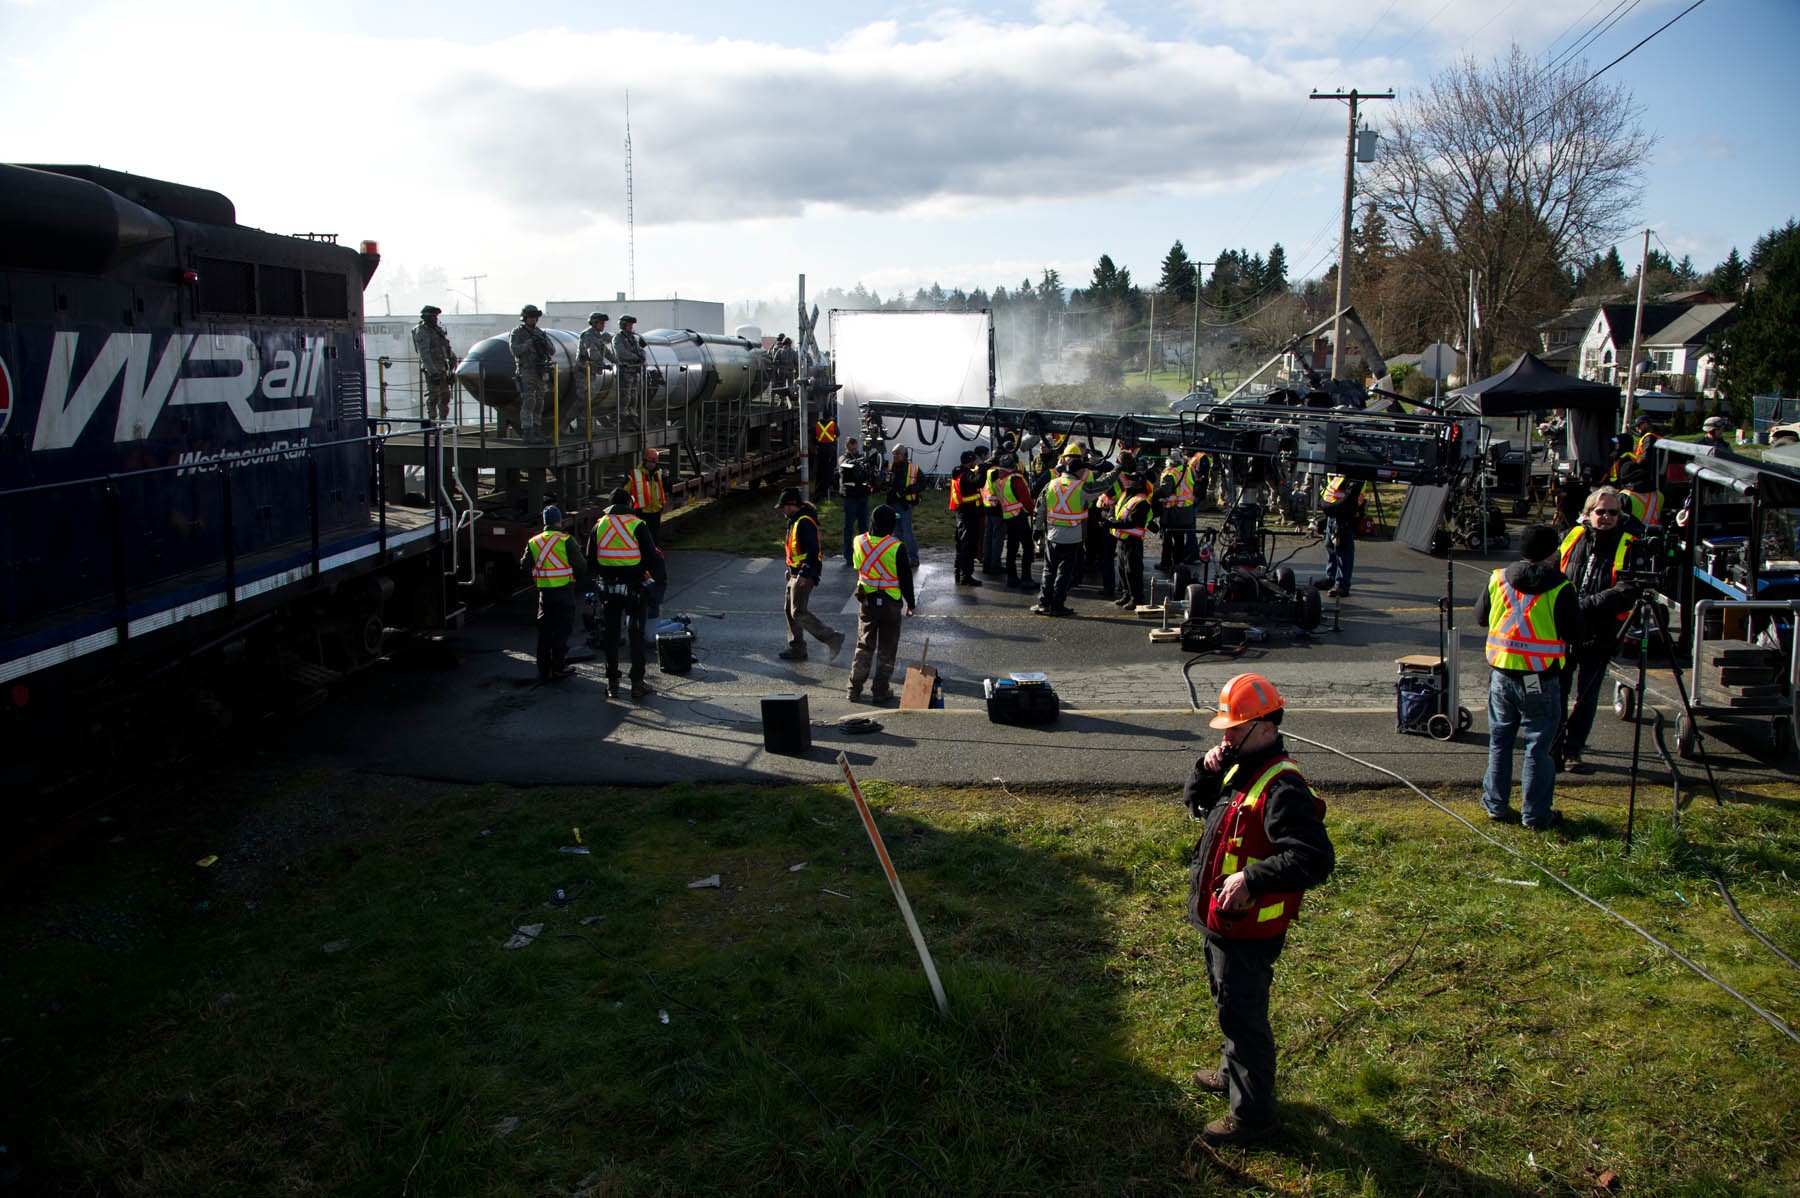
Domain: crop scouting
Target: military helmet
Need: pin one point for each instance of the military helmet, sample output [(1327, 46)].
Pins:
[(593, 316), (530, 310), (430, 310), (627, 320)]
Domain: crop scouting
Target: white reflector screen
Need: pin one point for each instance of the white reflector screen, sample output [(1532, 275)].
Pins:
[(936, 358)]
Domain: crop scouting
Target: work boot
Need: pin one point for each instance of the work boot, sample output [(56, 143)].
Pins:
[(1210, 1080), (881, 694), (1038, 609), (640, 689), (837, 645), (792, 655), (612, 686), (1228, 1131), (855, 693)]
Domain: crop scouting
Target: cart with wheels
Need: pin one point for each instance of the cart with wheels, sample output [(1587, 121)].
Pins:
[(1424, 698)]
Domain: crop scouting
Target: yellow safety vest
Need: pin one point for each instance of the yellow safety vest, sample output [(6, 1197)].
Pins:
[(550, 559), (1010, 503), (1645, 505), (1524, 636), (878, 565), (990, 494), (646, 491), (1184, 487), (1335, 491), (1131, 505), (795, 559), (616, 541), (1068, 502), (825, 432)]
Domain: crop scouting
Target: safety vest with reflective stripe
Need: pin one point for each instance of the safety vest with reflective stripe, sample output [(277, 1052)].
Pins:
[(1124, 513), (1335, 491), (878, 565), (796, 559), (1183, 495), (550, 559), (1522, 628), (990, 489), (1618, 563), (616, 541), (1241, 841), (646, 491), (1068, 502), (825, 432), (1645, 505), (1010, 503), (962, 496)]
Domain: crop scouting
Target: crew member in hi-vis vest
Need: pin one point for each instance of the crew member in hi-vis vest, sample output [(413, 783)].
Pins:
[(1531, 613), (884, 588), (1264, 844), (555, 565)]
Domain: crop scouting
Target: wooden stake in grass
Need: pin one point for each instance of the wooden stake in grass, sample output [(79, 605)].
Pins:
[(887, 865)]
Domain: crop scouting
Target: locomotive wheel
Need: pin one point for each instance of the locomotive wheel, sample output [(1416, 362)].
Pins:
[(1465, 720), (1687, 739), (1624, 701), (1308, 609), (1284, 578)]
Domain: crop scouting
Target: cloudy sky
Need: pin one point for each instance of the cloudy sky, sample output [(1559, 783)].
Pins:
[(889, 144)]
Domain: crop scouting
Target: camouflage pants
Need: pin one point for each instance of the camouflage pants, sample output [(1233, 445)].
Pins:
[(531, 403), (437, 396)]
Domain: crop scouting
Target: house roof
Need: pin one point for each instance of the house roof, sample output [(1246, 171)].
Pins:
[(1694, 326), (1620, 317), (1576, 319)]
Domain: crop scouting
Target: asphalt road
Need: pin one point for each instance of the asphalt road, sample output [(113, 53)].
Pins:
[(1128, 713)]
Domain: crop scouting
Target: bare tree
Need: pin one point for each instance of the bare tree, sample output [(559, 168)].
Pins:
[(1517, 171)]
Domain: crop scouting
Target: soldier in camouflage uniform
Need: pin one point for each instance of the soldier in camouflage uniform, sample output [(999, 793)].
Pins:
[(436, 361), (628, 352), (533, 359), (595, 358)]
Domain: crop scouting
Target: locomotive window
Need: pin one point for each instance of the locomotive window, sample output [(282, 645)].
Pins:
[(226, 286), (327, 296), (280, 291)]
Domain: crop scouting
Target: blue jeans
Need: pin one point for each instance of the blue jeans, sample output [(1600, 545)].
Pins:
[(1532, 703), (856, 520), (1340, 553), (903, 530)]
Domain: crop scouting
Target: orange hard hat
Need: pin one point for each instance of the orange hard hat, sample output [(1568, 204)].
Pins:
[(1244, 698), (650, 455)]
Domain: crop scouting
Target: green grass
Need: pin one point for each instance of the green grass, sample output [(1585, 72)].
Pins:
[(328, 1009)]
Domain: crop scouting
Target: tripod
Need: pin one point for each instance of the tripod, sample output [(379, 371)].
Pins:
[(1651, 621)]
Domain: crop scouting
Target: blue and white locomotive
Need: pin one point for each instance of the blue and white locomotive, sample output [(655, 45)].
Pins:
[(185, 450)]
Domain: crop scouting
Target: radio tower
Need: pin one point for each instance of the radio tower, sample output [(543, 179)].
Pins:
[(630, 219)]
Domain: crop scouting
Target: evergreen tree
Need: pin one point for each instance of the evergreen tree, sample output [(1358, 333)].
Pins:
[(1275, 270), (1761, 352), (1769, 242), (1177, 274)]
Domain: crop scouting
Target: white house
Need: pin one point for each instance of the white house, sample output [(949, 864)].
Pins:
[(1676, 338)]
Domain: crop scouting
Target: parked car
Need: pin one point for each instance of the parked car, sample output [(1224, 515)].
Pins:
[(1785, 434), (1197, 400)]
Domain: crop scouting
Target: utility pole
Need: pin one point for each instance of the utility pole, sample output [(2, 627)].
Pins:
[(1637, 332), (1343, 287), (474, 282), (1196, 361)]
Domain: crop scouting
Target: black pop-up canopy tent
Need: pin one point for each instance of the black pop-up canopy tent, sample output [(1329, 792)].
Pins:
[(1529, 386)]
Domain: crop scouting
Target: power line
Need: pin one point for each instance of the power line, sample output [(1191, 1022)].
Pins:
[(1615, 62)]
